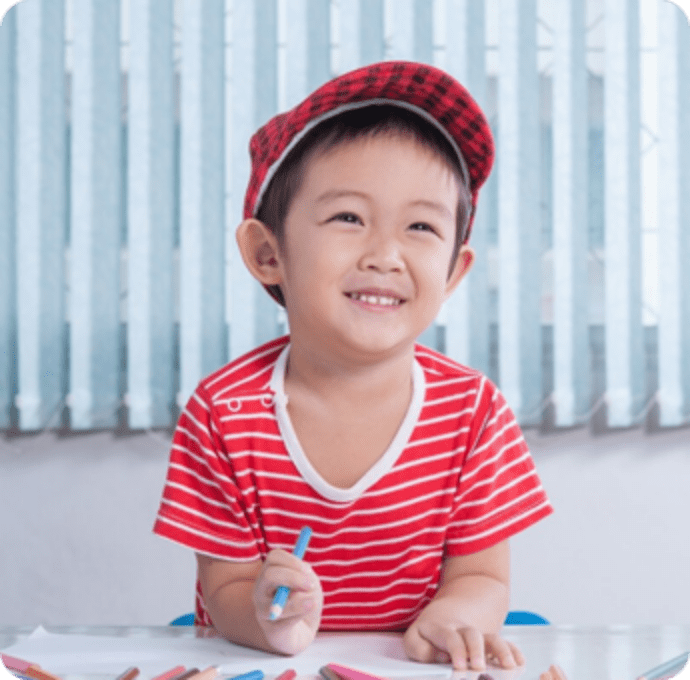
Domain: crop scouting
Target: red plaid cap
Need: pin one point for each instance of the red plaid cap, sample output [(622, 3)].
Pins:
[(429, 91)]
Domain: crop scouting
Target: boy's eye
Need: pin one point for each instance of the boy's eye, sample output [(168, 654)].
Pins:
[(346, 217), (422, 226)]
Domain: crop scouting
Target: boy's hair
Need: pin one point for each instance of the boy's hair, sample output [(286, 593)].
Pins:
[(360, 123)]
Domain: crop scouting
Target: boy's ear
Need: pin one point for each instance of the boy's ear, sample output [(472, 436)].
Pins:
[(259, 249), (463, 264)]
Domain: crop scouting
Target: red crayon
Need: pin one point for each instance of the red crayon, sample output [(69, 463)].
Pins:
[(347, 673), (170, 674), (15, 664), (39, 674), (129, 674), (289, 674), (186, 674)]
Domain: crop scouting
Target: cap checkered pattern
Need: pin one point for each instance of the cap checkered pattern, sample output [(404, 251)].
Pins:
[(429, 91)]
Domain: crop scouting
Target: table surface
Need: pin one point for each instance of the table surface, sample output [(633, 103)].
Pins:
[(586, 653)]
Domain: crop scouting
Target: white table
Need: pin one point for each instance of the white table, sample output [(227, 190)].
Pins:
[(585, 653)]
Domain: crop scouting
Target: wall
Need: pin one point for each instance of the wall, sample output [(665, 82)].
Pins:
[(77, 546)]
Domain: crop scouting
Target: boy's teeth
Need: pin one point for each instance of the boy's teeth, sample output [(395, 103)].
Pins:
[(375, 299)]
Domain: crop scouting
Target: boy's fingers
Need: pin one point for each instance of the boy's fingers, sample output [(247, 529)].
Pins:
[(451, 647), (275, 577), (298, 605), (473, 643), (419, 647), (503, 651), (276, 573), (282, 558), (416, 647), (464, 648), (517, 654)]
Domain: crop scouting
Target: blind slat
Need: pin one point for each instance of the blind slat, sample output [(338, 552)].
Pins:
[(95, 216), (571, 360), (623, 288), (410, 28), (150, 217), (254, 99), (467, 325), (307, 50), (674, 216), (361, 33), (399, 27), (265, 312), (202, 238), (518, 196), (40, 212), (7, 215)]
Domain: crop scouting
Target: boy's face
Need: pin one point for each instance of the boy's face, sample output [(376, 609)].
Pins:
[(367, 246)]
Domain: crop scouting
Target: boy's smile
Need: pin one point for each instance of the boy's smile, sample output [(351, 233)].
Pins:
[(368, 243)]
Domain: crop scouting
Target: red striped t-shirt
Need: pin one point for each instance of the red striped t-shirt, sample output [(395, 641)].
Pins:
[(456, 479)]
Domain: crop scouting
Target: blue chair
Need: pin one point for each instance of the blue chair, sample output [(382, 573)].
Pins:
[(184, 620), (522, 618), (514, 618)]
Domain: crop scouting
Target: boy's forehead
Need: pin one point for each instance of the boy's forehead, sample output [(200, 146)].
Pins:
[(359, 152), (390, 173)]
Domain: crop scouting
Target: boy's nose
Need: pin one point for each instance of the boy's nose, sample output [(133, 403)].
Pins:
[(382, 254)]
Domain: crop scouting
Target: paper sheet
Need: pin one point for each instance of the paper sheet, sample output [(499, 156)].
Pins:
[(75, 655)]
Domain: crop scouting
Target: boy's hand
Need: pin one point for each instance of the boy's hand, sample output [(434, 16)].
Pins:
[(297, 626), (554, 673), (440, 636)]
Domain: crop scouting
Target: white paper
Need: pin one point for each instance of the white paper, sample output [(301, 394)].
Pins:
[(81, 655)]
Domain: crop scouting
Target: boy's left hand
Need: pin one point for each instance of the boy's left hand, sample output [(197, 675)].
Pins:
[(440, 636)]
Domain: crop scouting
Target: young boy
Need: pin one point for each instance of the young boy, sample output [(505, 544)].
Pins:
[(410, 468)]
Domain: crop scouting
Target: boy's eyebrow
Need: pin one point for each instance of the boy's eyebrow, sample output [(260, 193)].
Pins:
[(333, 194), (433, 205)]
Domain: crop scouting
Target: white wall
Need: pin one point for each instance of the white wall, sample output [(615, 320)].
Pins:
[(77, 547), (617, 549), (76, 515)]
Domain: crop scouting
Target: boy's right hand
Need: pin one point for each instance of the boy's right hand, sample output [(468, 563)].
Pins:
[(295, 629)]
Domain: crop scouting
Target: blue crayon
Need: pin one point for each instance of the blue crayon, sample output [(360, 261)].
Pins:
[(252, 675), (281, 596)]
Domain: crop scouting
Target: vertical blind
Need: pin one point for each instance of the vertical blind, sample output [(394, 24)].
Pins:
[(124, 128)]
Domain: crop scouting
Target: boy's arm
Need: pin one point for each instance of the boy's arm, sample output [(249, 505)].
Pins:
[(480, 585), (466, 613), (238, 598)]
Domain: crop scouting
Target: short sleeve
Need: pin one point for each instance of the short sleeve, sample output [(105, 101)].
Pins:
[(202, 506), (499, 493)]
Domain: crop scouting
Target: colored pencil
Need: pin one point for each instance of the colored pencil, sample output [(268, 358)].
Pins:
[(251, 675), (38, 673), (129, 674), (207, 674), (666, 669), (15, 664), (282, 593), (347, 673), (186, 675), (328, 674), (289, 674), (168, 675)]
